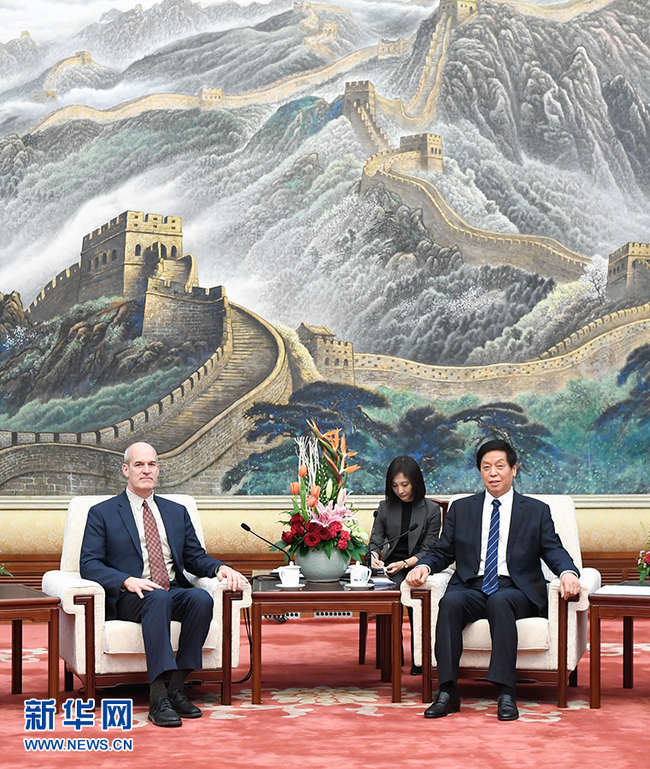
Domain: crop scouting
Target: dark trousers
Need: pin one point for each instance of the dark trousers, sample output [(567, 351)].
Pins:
[(462, 604), (193, 607)]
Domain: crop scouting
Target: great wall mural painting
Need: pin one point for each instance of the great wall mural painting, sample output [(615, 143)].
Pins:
[(427, 223)]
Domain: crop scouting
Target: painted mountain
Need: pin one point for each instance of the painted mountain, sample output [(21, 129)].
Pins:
[(456, 196)]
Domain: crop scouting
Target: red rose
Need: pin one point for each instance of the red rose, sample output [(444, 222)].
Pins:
[(287, 537), (312, 539), (298, 529), (326, 533), (647, 558), (313, 527), (295, 518)]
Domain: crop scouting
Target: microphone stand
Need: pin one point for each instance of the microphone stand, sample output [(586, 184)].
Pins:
[(247, 528)]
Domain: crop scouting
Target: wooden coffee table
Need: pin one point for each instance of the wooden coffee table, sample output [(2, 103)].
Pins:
[(18, 603), (268, 598), (627, 601)]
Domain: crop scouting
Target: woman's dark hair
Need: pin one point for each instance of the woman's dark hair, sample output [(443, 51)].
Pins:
[(496, 445), (411, 470)]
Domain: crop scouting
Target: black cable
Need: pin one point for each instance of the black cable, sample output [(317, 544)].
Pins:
[(247, 624)]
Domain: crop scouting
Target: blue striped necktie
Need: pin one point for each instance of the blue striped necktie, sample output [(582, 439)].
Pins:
[(491, 575)]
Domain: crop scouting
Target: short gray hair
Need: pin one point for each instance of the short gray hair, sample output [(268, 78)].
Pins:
[(127, 452)]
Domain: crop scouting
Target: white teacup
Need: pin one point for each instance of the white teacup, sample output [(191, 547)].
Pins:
[(289, 575), (359, 574)]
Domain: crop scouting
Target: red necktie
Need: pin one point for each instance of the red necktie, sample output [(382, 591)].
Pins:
[(157, 565)]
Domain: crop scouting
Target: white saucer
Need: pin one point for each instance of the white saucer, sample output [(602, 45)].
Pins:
[(366, 586), (299, 586)]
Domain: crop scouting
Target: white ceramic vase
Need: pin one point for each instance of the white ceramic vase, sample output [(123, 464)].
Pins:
[(317, 567)]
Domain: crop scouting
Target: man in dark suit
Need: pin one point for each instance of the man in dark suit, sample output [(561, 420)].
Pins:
[(137, 545), (496, 539)]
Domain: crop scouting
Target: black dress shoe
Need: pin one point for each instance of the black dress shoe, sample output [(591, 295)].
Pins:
[(162, 713), (444, 705), (183, 706), (507, 708), (416, 670)]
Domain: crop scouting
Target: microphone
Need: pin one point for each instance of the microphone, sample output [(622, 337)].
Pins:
[(247, 528), (368, 557)]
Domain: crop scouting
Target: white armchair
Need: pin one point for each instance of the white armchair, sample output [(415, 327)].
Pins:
[(106, 653), (548, 649)]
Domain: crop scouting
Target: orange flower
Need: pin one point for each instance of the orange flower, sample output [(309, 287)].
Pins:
[(352, 469), (315, 491), (312, 501), (295, 487), (332, 437), (302, 471)]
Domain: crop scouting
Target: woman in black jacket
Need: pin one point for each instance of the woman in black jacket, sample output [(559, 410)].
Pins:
[(405, 505)]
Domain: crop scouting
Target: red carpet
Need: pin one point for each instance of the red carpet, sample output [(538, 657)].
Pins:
[(322, 709)]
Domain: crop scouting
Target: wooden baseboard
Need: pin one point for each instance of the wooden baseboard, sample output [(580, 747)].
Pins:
[(613, 567), (28, 569)]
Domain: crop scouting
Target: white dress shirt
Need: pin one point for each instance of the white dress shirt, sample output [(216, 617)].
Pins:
[(138, 515), (505, 513)]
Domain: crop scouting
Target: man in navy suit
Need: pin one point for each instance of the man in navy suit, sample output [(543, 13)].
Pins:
[(496, 538), (137, 545)]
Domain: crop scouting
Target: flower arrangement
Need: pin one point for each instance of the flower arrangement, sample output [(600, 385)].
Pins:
[(322, 516), (643, 564)]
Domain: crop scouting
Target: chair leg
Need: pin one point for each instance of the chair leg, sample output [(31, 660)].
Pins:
[(384, 646), (363, 636), (379, 629), (573, 677), (68, 678), (562, 641), (88, 602)]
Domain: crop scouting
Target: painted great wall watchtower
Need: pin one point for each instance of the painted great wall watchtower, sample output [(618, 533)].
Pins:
[(333, 357), (210, 98), (629, 271), (388, 48), (117, 259), (141, 255), (458, 10), (428, 148)]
